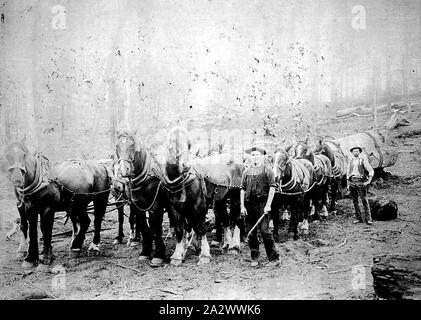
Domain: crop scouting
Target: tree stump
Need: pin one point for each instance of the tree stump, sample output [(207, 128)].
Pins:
[(397, 277)]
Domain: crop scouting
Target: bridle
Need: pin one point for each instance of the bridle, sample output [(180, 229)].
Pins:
[(130, 181)]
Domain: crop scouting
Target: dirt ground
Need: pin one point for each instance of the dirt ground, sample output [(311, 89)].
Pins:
[(332, 262)]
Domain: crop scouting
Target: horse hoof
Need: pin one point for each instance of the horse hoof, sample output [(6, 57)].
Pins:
[(75, 252), (28, 265), (43, 267), (117, 241), (203, 260), (157, 262), (134, 243), (93, 247), (20, 254), (215, 243), (143, 258), (176, 262), (233, 252)]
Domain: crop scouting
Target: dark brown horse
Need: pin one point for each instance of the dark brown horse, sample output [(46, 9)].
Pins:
[(43, 189), (322, 176), (187, 195), (147, 198), (295, 179), (339, 165)]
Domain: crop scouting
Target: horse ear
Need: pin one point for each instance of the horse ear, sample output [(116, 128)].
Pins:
[(306, 140), (288, 148), (308, 152)]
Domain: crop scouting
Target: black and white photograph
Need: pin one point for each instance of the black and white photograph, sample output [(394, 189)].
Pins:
[(220, 153)]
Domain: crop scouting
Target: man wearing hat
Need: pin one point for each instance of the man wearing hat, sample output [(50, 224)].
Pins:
[(358, 182), (257, 191)]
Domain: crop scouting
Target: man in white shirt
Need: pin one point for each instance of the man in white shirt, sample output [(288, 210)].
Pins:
[(358, 182)]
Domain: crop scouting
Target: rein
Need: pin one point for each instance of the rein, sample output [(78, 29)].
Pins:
[(138, 182)]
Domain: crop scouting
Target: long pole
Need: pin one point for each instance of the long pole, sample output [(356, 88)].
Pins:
[(254, 227)]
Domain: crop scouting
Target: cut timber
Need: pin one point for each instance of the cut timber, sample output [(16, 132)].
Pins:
[(397, 277), (378, 154)]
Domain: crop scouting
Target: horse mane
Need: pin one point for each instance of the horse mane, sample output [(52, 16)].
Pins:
[(329, 152)]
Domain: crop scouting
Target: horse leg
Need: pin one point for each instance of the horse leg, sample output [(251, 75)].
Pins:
[(221, 214), (137, 229), (315, 204), (120, 236), (142, 225), (23, 245), (47, 221), (132, 226), (100, 205), (180, 250), (83, 219), (334, 188), (205, 255), (32, 255), (218, 224), (324, 200), (293, 223), (235, 217), (306, 211), (156, 226)]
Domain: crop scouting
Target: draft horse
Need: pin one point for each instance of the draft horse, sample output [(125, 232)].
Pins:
[(142, 176), (339, 165), (322, 176), (187, 195), (295, 178), (43, 189)]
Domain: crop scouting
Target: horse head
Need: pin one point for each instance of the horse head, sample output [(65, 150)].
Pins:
[(179, 145), (280, 162), (302, 150), (16, 155), (323, 148), (125, 151)]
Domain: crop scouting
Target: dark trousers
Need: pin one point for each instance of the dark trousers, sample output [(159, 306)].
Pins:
[(358, 190), (255, 208)]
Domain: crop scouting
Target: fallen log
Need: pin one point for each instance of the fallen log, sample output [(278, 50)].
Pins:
[(397, 277)]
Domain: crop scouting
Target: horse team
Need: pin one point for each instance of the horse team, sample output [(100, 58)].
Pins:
[(172, 181)]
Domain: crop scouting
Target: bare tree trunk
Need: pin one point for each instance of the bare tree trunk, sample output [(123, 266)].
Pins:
[(108, 67), (375, 96), (388, 82)]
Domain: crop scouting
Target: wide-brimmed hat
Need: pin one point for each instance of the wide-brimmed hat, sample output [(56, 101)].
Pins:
[(255, 148), (356, 147)]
